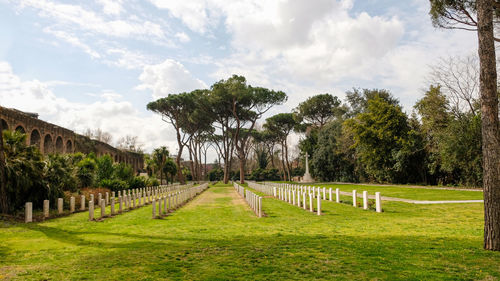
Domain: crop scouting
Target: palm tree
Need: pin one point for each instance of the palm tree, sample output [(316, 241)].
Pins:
[(160, 156)]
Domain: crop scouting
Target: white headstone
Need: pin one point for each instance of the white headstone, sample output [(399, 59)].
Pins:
[(28, 216), (72, 204), (91, 210), (59, 205), (354, 197), (365, 200), (378, 202), (46, 211), (82, 203)]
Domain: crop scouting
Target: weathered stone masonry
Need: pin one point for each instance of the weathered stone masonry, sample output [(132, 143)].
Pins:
[(50, 138)]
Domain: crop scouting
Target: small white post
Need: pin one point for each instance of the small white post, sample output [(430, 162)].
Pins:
[(103, 208), (72, 204), (159, 207), (260, 207), (337, 195), (112, 205), (28, 215), (378, 202), (311, 209), (99, 198), (354, 197), (46, 204), (324, 193), (120, 204), (365, 200), (330, 194), (304, 205), (91, 210), (82, 203), (319, 201), (154, 208), (59, 205), (107, 198)]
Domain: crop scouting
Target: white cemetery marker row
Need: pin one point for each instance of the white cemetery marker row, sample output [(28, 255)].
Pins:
[(174, 200), (286, 192), (106, 199), (253, 200), (130, 199), (296, 195)]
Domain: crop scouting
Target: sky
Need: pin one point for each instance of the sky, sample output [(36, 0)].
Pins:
[(98, 63)]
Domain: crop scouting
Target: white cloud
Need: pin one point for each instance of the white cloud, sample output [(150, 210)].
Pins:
[(73, 40), (127, 59), (168, 77), (111, 7), (307, 48), (183, 37), (198, 15), (87, 20), (119, 118)]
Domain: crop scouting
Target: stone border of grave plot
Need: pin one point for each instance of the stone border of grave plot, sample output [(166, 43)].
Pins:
[(289, 193), (253, 200), (178, 199)]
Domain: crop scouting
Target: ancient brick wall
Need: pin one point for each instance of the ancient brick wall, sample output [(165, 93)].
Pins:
[(50, 138)]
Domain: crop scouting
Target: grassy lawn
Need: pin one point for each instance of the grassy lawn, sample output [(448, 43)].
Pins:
[(408, 192), (218, 237)]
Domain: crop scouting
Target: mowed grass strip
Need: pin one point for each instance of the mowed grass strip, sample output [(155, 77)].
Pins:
[(408, 192), (217, 237)]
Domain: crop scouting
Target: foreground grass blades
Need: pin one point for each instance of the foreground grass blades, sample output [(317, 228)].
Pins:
[(217, 237)]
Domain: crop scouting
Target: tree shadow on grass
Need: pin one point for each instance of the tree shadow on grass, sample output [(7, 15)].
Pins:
[(264, 256), (299, 257)]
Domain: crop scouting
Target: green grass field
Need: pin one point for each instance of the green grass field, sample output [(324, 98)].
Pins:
[(409, 192), (217, 237)]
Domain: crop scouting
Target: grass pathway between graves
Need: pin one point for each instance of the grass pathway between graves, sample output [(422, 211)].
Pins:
[(217, 237)]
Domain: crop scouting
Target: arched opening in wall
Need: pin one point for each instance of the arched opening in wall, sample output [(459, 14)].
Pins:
[(35, 138), (116, 158), (59, 145), (5, 126), (69, 147), (20, 129), (48, 147)]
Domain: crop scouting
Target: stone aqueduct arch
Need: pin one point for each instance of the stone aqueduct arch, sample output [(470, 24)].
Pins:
[(50, 138)]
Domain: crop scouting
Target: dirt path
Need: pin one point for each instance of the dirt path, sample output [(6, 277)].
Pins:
[(209, 197)]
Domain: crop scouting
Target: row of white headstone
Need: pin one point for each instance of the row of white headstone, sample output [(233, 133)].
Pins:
[(253, 200), (131, 199), (285, 192), (175, 200), (266, 189), (125, 193)]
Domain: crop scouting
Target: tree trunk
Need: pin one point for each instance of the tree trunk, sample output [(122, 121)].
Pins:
[(4, 207), (283, 161), (242, 167), (180, 176), (191, 162), (287, 162), (489, 125)]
